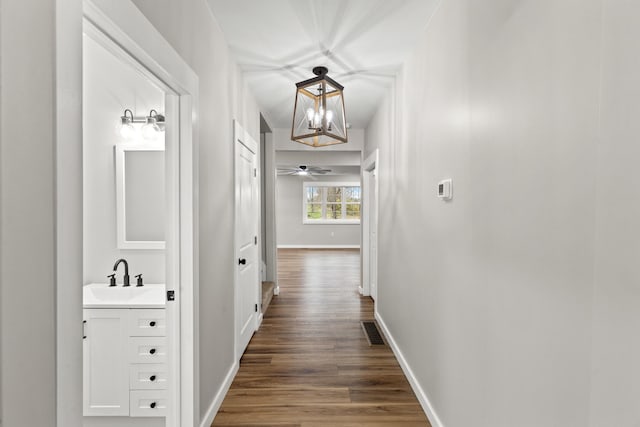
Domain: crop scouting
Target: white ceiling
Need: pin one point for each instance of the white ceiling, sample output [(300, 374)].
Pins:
[(362, 42)]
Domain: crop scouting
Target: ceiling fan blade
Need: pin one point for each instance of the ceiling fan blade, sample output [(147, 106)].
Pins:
[(319, 170)]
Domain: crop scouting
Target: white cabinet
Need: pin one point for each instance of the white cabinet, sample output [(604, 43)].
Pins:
[(106, 383), (125, 369)]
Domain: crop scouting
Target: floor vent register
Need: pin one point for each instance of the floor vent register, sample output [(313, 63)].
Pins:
[(372, 333)]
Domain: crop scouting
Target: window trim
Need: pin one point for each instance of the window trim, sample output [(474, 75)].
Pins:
[(323, 221)]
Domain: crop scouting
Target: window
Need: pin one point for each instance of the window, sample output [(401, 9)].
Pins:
[(331, 203)]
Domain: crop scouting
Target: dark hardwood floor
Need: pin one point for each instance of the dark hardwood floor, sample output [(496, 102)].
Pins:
[(310, 364)]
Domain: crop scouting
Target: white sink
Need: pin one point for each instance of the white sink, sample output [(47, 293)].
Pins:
[(101, 295)]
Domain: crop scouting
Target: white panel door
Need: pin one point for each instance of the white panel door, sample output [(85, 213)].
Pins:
[(106, 366), (247, 220)]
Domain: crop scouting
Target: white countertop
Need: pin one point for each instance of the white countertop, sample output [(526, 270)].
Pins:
[(101, 295)]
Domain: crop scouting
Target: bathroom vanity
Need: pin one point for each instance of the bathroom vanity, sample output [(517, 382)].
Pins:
[(125, 351)]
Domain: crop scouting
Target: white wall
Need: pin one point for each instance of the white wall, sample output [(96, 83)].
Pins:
[(27, 221), (291, 230), (110, 86), (616, 318), (193, 32), (490, 297)]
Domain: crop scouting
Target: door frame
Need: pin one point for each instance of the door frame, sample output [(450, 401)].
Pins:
[(125, 31), (370, 167), (270, 175), (240, 135)]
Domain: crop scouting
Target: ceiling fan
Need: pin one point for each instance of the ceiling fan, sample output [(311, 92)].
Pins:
[(303, 170)]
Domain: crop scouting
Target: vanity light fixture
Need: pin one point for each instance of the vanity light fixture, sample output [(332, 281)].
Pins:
[(153, 124), (318, 115)]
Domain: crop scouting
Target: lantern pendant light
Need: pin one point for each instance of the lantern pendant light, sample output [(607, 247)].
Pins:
[(318, 115)]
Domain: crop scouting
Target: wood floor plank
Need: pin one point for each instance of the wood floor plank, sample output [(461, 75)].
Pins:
[(283, 396), (310, 364)]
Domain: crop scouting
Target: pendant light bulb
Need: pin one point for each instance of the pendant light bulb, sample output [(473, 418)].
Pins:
[(329, 117)]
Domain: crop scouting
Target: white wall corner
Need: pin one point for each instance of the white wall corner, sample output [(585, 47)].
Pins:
[(426, 404), (214, 407)]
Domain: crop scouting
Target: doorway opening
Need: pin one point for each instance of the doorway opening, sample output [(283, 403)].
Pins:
[(370, 225), (154, 170)]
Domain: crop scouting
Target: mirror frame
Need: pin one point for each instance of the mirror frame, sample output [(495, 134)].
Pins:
[(120, 151)]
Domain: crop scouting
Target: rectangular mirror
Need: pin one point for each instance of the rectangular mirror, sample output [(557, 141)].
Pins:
[(140, 195)]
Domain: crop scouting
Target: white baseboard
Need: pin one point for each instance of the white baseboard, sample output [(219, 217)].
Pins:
[(318, 246), (222, 392), (427, 407)]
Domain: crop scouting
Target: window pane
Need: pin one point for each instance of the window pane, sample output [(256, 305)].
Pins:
[(352, 194), (334, 211), (314, 210), (334, 194), (314, 195), (353, 211)]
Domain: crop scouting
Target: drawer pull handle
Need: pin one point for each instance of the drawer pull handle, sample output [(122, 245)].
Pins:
[(152, 324), (153, 405), (152, 378), (152, 351)]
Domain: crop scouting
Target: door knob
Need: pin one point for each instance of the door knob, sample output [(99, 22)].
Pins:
[(153, 405), (152, 378), (242, 261), (152, 351)]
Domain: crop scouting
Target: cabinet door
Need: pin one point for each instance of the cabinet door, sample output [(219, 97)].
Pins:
[(106, 373)]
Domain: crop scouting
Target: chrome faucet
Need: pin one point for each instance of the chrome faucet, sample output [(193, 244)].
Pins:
[(126, 270)]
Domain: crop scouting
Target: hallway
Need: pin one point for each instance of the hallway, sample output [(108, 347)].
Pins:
[(309, 364)]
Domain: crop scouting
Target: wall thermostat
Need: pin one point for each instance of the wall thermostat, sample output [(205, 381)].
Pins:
[(444, 190)]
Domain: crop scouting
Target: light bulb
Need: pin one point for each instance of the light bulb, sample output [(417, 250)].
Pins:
[(303, 173), (126, 127), (310, 114), (329, 116), (127, 131), (150, 130), (329, 119)]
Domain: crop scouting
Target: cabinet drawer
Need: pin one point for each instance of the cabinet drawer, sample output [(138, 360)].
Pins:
[(148, 376), (148, 403), (147, 350), (147, 323)]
